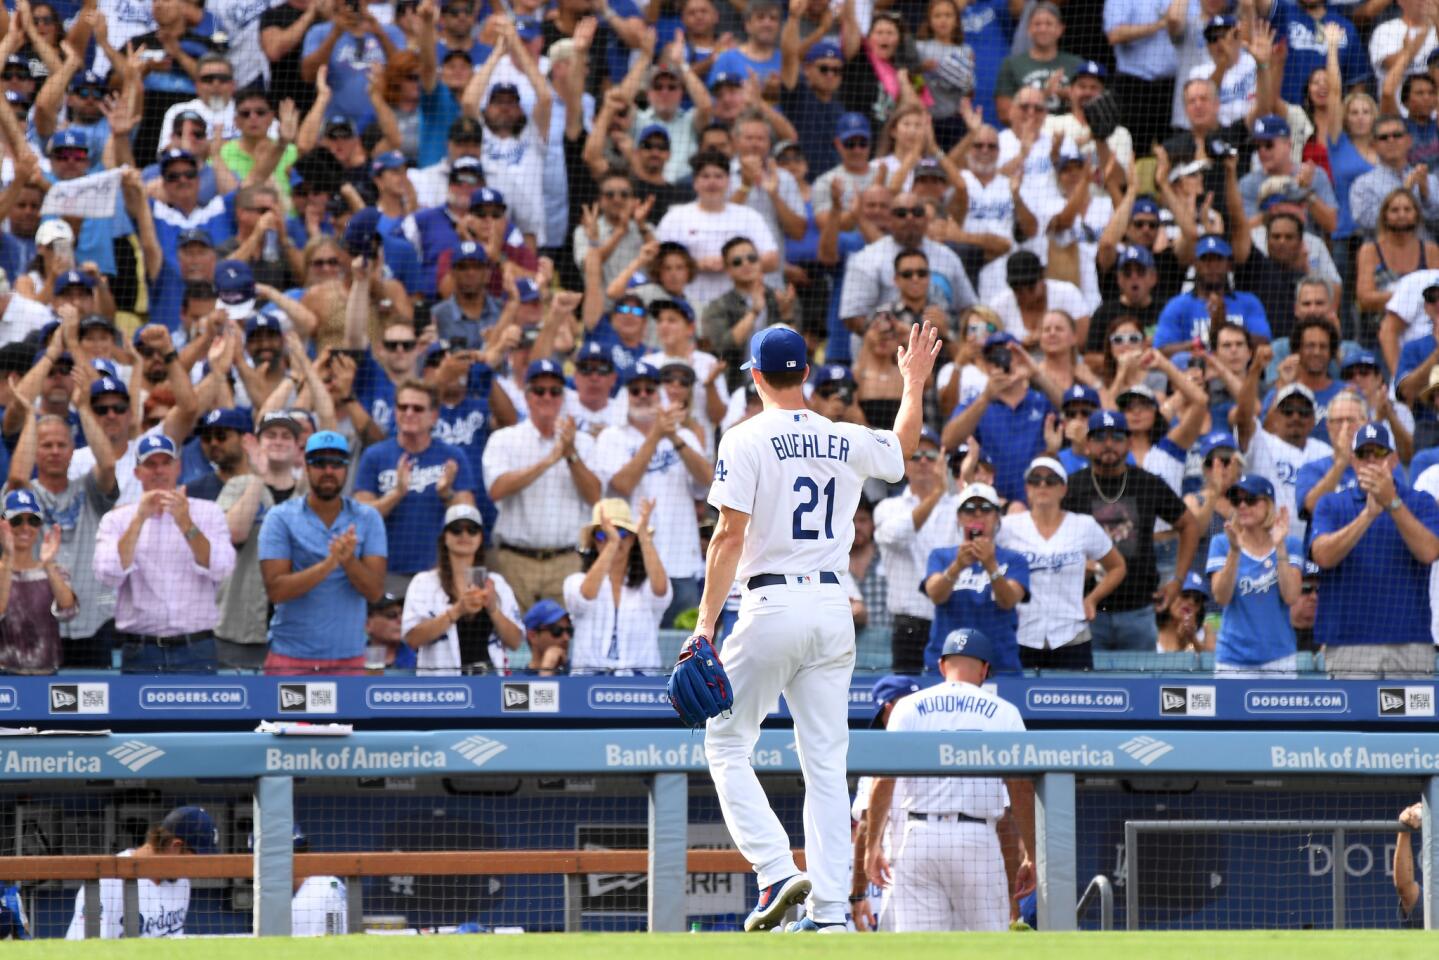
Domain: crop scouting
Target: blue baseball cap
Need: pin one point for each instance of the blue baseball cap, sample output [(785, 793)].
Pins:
[(929, 167), (775, 350), (1194, 583), (389, 160), (853, 125), (87, 78), (108, 385), (154, 444), (544, 613), (544, 368), (637, 279), (1108, 420), (528, 28), (1374, 434), (1221, 22), (888, 689), (486, 197), (500, 88), (334, 125), (1254, 485), (361, 231), (262, 322), (642, 371), (725, 78), (106, 366), (176, 155), (1311, 569), (1213, 245), (833, 373), (1217, 440), (1363, 358), (1135, 254), (194, 235), (594, 352), (235, 288), (824, 50), (228, 418), (73, 278), (470, 252), (1079, 393), (967, 642), (20, 502), (193, 825), (1270, 127), (329, 442), (528, 291), (673, 303), (653, 130), (1090, 68), (1145, 205), (1000, 339), (928, 433), (69, 137)]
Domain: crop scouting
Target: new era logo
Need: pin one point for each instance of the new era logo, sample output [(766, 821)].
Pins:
[(516, 696), (1173, 700), (292, 696), (135, 754), (1391, 701), (1146, 749), (63, 699), (479, 750)]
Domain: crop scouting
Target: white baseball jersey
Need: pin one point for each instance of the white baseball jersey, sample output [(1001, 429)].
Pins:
[(1279, 463), (953, 707), (319, 908), (163, 907), (799, 476), (889, 842)]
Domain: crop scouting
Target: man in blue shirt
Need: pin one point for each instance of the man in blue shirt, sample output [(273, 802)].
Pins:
[(350, 44), (411, 479), (977, 584), (1374, 544), (1010, 431), (1188, 316), (323, 559), (759, 55), (1142, 33), (1416, 360)]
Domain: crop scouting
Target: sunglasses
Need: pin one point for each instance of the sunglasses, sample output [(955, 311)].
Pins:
[(388, 615), (656, 145), (1145, 224), (333, 262), (918, 455), (16, 75), (1224, 458), (1370, 453), (1128, 402), (181, 175), (828, 393), (970, 509), (216, 435), (1122, 339), (981, 329), (743, 259), (921, 273), (328, 463), (488, 213), (1078, 413), (642, 389), (1043, 480), (683, 379), (545, 391), (118, 409), (1240, 498), (70, 155), (398, 346), (616, 194), (467, 528), (600, 536), (44, 21), (27, 519), (665, 87), (255, 112), (89, 93), (1391, 135), (411, 408), (630, 310), (1108, 436), (900, 213), (215, 78), (854, 143), (62, 368), (594, 370), (559, 630), (1308, 588), (1296, 410)]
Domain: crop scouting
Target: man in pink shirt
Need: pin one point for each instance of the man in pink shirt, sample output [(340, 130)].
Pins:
[(164, 556)]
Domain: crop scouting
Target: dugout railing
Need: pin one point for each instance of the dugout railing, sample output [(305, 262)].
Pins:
[(671, 767)]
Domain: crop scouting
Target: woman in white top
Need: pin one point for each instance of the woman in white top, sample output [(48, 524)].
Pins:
[(1060, 546), (617, 602), (455, 613)]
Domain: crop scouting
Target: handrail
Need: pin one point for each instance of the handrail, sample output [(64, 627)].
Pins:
[(1098, 887)]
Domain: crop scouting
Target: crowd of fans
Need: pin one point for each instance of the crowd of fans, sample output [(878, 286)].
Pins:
[(400, 335)]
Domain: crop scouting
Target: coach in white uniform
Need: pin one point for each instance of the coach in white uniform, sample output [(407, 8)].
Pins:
[(787, 482), (163, 903), (866, 900), (951, 873)]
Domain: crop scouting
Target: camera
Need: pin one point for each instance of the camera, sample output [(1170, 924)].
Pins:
[(1001, 357), (956, 459), (1220, 149)]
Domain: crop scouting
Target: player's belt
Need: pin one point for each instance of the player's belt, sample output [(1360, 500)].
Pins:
[(776, 579), (946, 817)]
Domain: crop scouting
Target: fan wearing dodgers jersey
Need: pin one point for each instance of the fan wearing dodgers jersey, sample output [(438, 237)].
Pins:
[(164, 904), (787, 482), (960, 856)]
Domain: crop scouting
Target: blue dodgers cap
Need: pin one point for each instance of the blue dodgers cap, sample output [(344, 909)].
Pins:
[(1079, 393), (1218, 440), (1311, 569), (1090, 68), (544, 368), (362, 230), (833, 373), (594, 352), (527, 290), (928, 433), (1000, 339), (1145, 205), (887, 690), (176, 155), (1108, 420), (69, 138), (389, 160), (486, 197), (194, 826), (228, 418), (108, 385), (327, 442), (1362, 358), (642, 371), (1194, 583), (194, 235), (638, 279), (503, 88), (1221, 22), (154, 444), (725, 78), (528, 28), (1213, 245), (73, 278), (968, 642), (235, 288), (653, 130), (470, 252), (776, 350), (87, 78), (1135, 254), (673, 303), (853, 125), (339, 126), (1374, 434), (1270, 126), (824, 50), (1254, 485), (262, 322), (106, 366), (544, 613), (18, 502)]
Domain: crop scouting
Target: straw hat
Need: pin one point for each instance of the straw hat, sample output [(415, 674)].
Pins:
[(618, 511)]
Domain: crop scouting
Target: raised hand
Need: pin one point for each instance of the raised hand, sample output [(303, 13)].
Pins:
[(1280, 528), (647, 508), (50, 546), (916, 359), (177, 504), (445, 486), (342, 546)]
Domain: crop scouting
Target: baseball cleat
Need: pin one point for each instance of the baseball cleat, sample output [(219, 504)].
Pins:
[(775, 900), (809, 926)]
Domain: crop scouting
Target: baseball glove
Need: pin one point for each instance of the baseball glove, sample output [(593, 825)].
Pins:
[(1103, 115), (698, 687)]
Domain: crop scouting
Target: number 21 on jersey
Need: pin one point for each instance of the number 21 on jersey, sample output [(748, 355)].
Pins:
[(811, 492)]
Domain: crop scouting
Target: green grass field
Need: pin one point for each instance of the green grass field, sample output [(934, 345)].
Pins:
[(1251, 945)]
